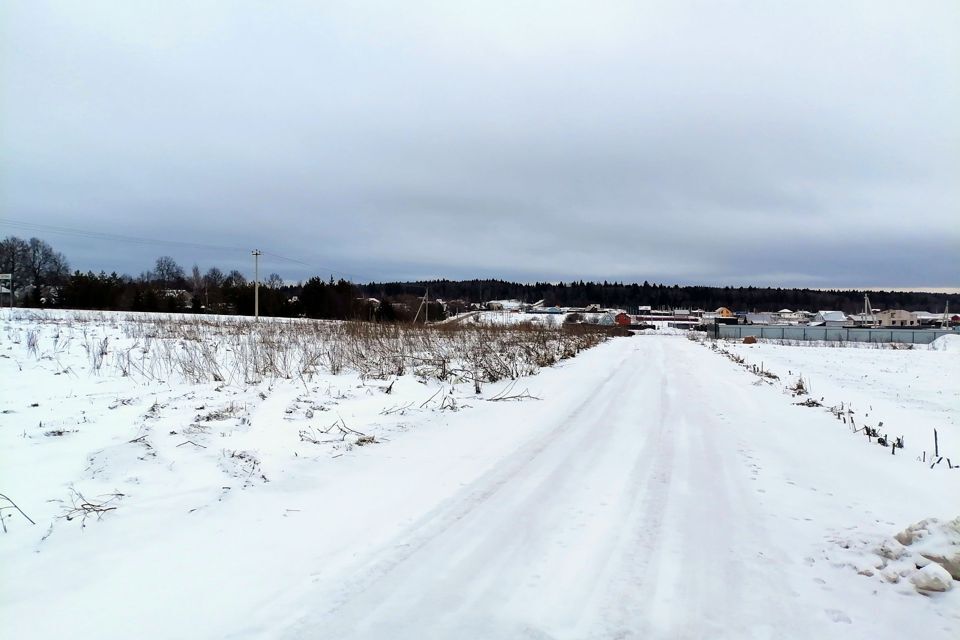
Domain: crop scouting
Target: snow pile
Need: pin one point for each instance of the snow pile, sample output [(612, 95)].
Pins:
[(935, 541), (924, 557), (932, 577), (661, 329), (950, 344)]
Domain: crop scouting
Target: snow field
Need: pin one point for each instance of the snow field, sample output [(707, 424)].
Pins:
[(209, 404), (910, 391), (652, 489)]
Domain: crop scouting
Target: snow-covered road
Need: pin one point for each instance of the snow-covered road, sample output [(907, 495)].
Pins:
[(667, 500), (656, 491), (630, 515)]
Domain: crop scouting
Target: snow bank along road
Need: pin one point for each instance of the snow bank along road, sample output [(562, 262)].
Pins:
[(655, 492)]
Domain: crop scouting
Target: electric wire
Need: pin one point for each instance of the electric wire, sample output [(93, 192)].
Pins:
[(114, 237)]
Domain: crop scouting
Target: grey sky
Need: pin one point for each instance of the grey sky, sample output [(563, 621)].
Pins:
[(812, 143)]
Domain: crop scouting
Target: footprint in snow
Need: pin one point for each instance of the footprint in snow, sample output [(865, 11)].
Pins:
[(838, 616)]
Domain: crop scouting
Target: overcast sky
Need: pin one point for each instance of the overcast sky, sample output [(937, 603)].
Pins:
[(803, 143)]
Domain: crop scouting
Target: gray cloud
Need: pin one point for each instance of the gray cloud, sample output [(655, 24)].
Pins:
[(730, 143)]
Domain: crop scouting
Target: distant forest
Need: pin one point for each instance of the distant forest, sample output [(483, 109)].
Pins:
[(631, 296), (41, 277)]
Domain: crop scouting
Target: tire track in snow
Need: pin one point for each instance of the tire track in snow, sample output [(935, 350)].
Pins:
[(491, 485), (610, 524)]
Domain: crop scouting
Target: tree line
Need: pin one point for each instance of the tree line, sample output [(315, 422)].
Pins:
[(42, 277), (33, 264), (631, 296)]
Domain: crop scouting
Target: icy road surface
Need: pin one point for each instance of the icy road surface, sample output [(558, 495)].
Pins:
[(657, 490)]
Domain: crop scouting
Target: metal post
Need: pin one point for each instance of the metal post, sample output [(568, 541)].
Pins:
[(256, 282)]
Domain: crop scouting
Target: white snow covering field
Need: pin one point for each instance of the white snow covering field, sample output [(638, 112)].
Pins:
[(507, 317), (515, 317), (649, 487), (911, 391)]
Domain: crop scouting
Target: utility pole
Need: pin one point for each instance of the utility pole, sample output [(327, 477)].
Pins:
[(425, 305), (256, 253)]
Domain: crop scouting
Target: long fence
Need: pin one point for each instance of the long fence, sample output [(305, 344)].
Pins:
[(830, 334)]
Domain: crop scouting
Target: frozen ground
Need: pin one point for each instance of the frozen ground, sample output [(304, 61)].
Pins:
[(655, 489)]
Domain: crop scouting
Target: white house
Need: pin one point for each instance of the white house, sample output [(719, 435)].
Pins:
[(829, 319), (787, 316), (897, 318)]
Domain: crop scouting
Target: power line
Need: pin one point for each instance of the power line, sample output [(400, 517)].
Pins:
[(318, 267), (114, 237)]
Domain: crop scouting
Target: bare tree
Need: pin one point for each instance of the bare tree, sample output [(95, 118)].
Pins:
[(196, 280), (235, 279), (35, 263), (168, 272), (212, 284), (214, 278), (274, 281)]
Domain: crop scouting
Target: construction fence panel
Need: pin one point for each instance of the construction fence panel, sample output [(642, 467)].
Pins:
[(831, 334)]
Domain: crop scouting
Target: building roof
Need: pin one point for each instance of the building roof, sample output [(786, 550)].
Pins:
[(832, 316), (506, 304), (758, 318)]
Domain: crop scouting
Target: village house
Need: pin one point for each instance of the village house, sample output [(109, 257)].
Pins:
[(788, 316), (829, 319), (896, 318)]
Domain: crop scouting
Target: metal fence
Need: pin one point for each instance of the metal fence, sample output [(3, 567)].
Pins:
[(830, 334)]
